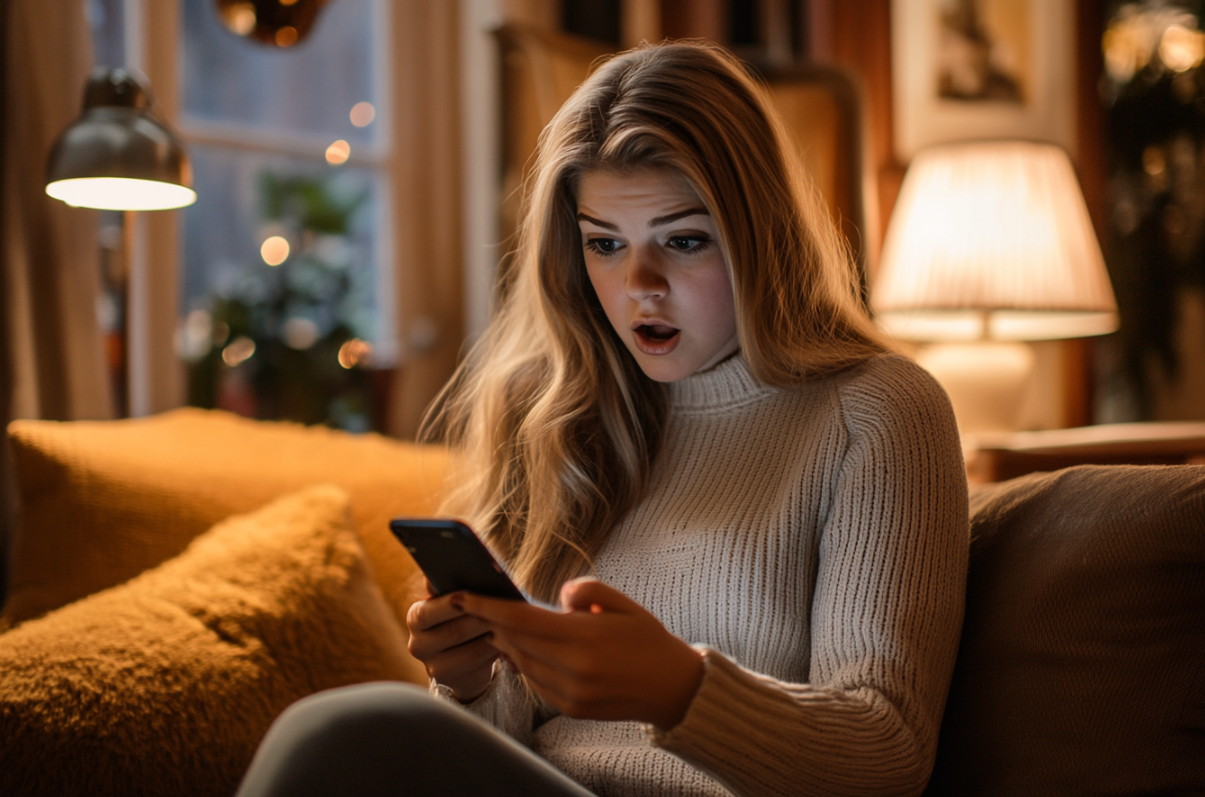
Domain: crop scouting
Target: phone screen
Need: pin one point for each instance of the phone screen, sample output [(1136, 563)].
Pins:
[(453, 558)]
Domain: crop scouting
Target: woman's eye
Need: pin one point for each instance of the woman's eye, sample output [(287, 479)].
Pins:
[(689, 244), (603, 246)]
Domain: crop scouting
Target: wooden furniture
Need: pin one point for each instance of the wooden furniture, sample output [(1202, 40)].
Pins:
[(820, 105), (999, 456)]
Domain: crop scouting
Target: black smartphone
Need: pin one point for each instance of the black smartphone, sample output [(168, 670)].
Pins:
[(453, 557)]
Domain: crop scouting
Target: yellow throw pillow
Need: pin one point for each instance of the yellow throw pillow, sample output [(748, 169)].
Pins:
[(102, 501), (166, 684)]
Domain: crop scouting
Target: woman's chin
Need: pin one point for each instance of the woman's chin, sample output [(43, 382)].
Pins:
[(663, 367)]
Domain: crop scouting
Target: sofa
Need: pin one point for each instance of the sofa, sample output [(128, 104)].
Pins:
[(177, 581)]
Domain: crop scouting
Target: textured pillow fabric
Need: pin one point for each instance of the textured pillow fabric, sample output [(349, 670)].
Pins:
[(1082, 663), (102, 501), (166, 684)]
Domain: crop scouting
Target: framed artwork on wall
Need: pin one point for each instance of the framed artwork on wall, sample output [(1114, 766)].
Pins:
[(982, 69)]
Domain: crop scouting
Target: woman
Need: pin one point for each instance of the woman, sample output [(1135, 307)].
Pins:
[(680, 399)]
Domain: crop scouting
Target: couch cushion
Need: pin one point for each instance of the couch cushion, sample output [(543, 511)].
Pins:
[(102, 501), (1082, 664), (166, 684)]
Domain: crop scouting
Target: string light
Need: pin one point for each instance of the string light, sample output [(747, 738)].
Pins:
[(338, 153)]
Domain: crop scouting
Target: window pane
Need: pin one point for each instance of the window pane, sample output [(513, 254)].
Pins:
[(106, 20), (279, 275), (311, 87)]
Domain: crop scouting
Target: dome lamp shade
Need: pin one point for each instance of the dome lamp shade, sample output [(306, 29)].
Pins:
[(116, 155)]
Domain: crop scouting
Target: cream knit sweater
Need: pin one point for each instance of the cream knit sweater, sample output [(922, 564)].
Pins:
[(813, 544)]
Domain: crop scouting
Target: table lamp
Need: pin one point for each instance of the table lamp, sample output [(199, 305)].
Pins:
[(990, 245), (116, 156)]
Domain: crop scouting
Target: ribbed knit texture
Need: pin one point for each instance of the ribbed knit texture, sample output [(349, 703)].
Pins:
[(813, 542)]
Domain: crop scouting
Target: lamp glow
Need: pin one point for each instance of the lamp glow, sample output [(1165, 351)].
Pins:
[(998, 232), (116, 155), (121, 193), (990, 245)]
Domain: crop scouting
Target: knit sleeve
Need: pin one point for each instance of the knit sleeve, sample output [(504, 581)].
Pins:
[(506, 704), (885, 618)]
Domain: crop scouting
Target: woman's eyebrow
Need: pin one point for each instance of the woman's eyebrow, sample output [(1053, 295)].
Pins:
[(681, 214), (606, 225), (658, 221)]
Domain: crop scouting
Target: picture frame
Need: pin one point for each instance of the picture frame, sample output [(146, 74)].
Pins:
[(1011, 77)]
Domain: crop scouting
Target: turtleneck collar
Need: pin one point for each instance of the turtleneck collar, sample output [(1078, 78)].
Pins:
[(727, 384)]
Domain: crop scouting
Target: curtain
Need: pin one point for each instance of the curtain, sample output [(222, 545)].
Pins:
[(51, 355)]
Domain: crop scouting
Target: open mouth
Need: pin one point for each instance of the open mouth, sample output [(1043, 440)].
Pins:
[(656, 332), (656, 338)]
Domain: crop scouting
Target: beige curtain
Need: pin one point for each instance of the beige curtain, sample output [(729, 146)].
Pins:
[(51, 271), (51, 356)]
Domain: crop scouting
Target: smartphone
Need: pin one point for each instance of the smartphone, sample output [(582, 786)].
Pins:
[(453, 557)]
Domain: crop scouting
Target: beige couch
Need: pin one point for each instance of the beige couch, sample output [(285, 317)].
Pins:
[(177, 581)]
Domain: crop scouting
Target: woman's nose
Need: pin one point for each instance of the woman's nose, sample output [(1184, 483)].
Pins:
[(645, 277)]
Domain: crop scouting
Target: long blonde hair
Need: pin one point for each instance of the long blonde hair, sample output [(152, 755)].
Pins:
[(554, 424)]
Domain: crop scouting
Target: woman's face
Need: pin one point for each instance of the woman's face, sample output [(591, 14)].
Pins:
[(653, 256)]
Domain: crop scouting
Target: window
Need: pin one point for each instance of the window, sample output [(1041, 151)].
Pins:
[(284, 284)]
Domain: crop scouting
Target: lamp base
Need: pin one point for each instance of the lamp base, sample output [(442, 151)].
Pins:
[(985, 381)]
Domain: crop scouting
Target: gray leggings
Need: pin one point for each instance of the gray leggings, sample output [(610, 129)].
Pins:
[(393, 739)]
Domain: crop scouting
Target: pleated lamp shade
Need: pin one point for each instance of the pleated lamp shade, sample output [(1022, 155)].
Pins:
[(992, 241)]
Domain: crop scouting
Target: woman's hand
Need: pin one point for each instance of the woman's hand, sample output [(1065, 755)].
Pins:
[(602, 657), (452, 645)]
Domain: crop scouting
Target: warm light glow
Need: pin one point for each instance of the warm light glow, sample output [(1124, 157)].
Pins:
[(275, 250), (984, 381), (194, 339), (1138, 31), (1127, 46), (354, 352), (240, 18), (286, 36), (121, 193), (338, 152), (362, 114), (992, 241), (1181, 49), (238, 351), (287, 2), (300, 333)]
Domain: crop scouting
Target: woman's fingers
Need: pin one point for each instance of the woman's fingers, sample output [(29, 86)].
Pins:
[(429, 641), (590, 594), (431, 612), (512, 614), (467, 667)]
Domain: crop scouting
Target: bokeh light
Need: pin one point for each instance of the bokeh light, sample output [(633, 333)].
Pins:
[(300, 333), (355, 352), (1138, 32), (275, 250), (362, 114), (239, 350), (338, 153), (1181, 49), (239, 18), (286, 36), (194, 338)]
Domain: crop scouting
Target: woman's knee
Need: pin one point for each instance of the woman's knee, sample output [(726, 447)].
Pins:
[(379, 707)]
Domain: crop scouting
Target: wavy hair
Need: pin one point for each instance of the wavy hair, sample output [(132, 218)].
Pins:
[(554, 424)]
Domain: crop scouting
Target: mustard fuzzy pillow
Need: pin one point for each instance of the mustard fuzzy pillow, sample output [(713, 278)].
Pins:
[(167, 683), (102, 501)]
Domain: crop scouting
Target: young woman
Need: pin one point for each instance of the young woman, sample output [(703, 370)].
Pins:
[(681, 428)]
